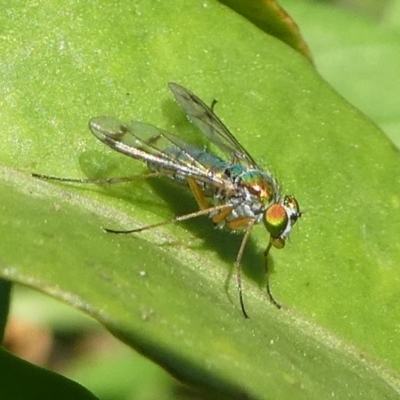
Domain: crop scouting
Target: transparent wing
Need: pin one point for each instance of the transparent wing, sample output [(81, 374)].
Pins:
[(204, 118), (163, 150)]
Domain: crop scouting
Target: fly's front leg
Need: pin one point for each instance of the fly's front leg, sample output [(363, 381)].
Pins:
[(271, 298)]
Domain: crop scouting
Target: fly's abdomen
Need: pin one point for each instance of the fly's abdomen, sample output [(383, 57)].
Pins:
[(191, 155)]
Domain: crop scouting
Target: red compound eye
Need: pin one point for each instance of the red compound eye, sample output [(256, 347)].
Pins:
[(275, 220)]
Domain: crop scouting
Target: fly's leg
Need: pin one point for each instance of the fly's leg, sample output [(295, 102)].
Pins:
[(205, 209), (109, 181), (239, 268), (217, 218), (172, 220), (238, 224), (198, 194), (271, 298)]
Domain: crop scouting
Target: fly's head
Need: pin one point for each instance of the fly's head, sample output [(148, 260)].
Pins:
[(279, 219)]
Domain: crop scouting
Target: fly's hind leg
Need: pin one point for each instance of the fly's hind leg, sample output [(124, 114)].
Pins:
[(205, 209), (109, 181)]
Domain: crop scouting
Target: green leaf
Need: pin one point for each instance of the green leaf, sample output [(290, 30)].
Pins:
[(162, 291), (21, 380)]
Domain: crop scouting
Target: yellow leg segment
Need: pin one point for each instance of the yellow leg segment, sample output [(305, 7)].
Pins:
[(239, 223), (221, 215), (198, 194)]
